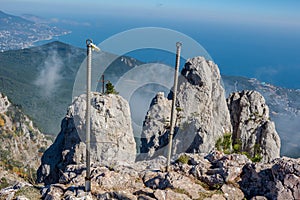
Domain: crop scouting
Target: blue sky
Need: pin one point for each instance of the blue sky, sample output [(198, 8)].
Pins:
[(219, 9), (258, 38), (275, 12)]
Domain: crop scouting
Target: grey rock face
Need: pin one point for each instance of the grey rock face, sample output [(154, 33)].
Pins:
[(202, 100), (278, 180), (112, 137), (202, 113), (20, 140), (4, 103), (156, 124), (252, 128)]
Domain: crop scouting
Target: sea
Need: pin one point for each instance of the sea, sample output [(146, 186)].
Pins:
[(265, 52)]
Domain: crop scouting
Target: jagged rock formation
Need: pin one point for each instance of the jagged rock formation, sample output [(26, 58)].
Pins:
[(278, 180), (202, 114), (202, 100), (21, 143), (192, 176), (155, 127), (284, 108), (252, 128), (112, 137)]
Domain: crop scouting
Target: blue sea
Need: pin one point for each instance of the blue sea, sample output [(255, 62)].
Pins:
[(269, 53)]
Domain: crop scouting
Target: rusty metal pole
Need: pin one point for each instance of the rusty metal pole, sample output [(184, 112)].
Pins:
[(178, 45), (103, 83)]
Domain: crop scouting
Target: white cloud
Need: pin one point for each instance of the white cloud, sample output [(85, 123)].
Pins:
[(49, 76)]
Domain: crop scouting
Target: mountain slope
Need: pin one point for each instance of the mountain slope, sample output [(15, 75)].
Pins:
[(21, 143), (40, 79)]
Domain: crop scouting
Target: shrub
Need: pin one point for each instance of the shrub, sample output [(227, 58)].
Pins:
[(110, 89), (236, 148), (256, 158), (179, 109), (184, 159), (224, 143)]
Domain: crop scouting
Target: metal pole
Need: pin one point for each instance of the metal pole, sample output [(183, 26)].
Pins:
[(103, 83), (178, 45), (88, 115)]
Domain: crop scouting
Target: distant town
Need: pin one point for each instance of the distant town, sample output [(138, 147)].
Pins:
[(19, 33)]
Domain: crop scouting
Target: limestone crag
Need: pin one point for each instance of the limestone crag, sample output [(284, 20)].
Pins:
[(202, 113), (156, 127), (112, 137), (21, 143), (252, 128), (201, 98)]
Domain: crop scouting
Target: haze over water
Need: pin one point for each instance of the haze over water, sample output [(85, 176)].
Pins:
[(253, 39)]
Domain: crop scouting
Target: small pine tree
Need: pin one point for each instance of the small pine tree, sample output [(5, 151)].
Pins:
[(110, 88)]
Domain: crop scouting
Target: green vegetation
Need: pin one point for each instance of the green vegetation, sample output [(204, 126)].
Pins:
[(210, 190), (19, 69), (256, 158), (3, 183), (226, 145), (181, 191), (184, 159), (17, 167), (29, 192), (110, 88), (237, 146), (179, 109)]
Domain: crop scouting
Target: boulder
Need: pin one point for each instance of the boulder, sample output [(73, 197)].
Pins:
[(231, 192)]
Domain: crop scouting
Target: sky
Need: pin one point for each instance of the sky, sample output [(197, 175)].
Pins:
[(255, 11), (258, 38)]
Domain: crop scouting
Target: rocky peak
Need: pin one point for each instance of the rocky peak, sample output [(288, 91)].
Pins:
[(112, 137), (252, 128), (202, 114)]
